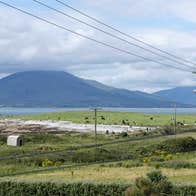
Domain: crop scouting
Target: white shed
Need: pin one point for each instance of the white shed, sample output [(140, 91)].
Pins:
[(15, 140)]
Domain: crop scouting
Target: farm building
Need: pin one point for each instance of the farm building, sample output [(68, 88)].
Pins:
[(15, 140)]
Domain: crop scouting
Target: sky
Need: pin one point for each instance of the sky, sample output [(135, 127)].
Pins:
[(28, 44)]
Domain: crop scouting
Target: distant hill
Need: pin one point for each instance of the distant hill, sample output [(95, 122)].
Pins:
[(179, 94), (61, 89), (99, 85)]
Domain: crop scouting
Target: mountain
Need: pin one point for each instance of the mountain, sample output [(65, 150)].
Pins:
[(99, 85), (179, 94), (61, 89)]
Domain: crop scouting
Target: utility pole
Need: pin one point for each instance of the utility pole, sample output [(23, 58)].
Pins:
[(174, 118), (95, 123), (95, 118)]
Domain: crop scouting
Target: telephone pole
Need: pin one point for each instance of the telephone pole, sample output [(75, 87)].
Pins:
[(174, 118), (95, 118), (95, 123)]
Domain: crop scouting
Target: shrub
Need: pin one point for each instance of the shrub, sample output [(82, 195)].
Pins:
[(2, 139), (154, 184), (47, 163), (124, 134), (167, 130), (156, 176), (186, 144), (46, 148)]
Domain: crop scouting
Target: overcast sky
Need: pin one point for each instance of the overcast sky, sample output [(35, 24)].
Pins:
[(28, 44)]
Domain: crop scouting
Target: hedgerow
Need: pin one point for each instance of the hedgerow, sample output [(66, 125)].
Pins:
[(185, 191), (54, 189), (76, 189)]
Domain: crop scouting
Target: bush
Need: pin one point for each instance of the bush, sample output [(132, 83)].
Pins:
[(3, 139), (154, 184), (124, 134), (47, 163), (156, 176), (46, 148), (186, 144), (167, 130)]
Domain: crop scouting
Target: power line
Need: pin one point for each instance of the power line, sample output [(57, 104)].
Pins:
[(125, 34), (110, 34), (92, 39)]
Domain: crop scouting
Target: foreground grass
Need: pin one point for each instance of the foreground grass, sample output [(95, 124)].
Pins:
[(106, 117), (97, 174)]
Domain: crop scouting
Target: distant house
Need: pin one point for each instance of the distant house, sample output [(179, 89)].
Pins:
[(15, 140)]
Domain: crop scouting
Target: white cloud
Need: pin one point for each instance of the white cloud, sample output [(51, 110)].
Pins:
[(27, 44), (184, 9)]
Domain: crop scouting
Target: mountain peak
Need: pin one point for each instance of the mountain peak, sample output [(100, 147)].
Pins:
[(58, 89)]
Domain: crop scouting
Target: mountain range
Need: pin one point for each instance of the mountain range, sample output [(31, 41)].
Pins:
[(61, 89), (184, 94)]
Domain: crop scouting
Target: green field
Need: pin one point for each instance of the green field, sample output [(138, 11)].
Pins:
[(105, 117), (180, 167), (130, 156)]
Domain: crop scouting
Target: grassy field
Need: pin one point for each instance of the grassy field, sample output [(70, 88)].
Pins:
[(142, 152), (98, 174), (144, 155), (105, 117)]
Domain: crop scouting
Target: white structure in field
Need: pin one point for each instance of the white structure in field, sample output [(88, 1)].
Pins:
[(15, 140)]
